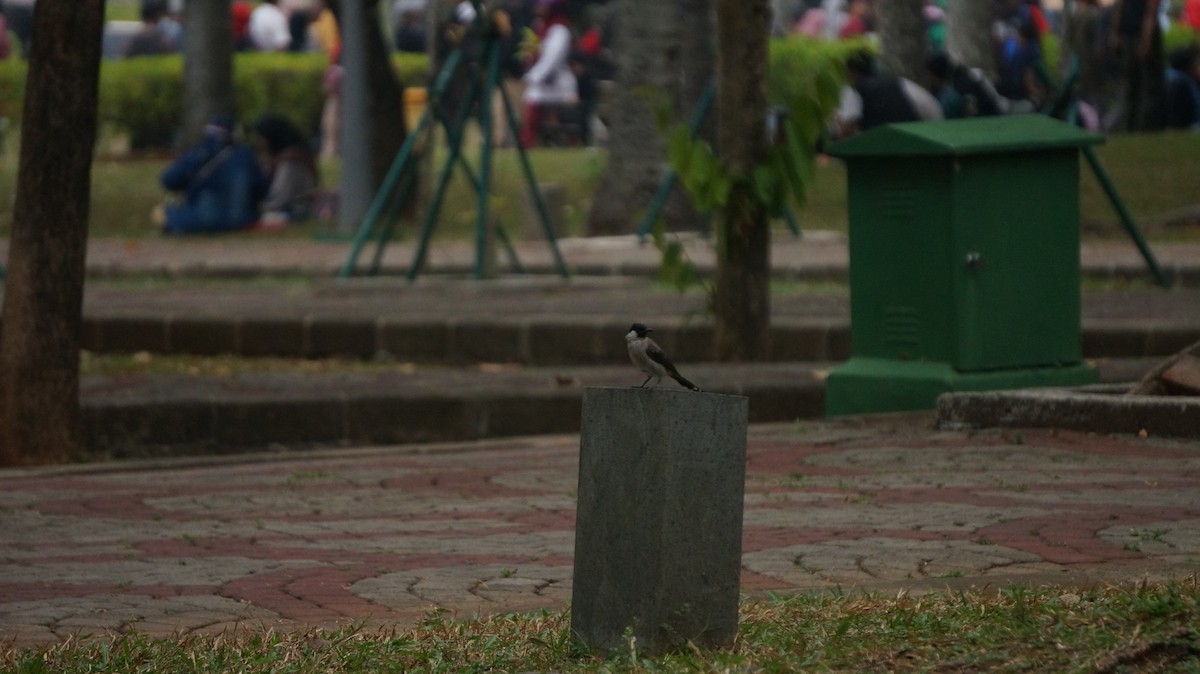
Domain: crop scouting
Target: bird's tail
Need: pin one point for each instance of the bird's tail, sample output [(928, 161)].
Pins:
[(687, 384)]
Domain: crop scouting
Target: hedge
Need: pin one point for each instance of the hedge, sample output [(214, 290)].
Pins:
[(142, 97)]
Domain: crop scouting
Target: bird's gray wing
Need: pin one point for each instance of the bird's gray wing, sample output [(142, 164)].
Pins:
[(656, 354)]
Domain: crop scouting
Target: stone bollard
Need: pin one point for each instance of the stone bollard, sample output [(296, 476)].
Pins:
[(658, 533)]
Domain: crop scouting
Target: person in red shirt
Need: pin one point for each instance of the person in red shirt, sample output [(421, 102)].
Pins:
[(240, 18), (856, 23), (1191, 14)]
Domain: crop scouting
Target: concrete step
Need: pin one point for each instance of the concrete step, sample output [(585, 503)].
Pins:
[(541, 342), (159, 415)]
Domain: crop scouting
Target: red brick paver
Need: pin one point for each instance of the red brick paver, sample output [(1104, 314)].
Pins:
[(382, 535)]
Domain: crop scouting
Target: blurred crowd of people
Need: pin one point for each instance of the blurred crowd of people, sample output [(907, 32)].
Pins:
[(552, 62), (1113, 75), (1113, 72)]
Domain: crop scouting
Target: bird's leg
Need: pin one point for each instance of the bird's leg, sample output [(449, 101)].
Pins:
[(643, 384)]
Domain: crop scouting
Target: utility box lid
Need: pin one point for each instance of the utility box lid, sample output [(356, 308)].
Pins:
[(961, 137)]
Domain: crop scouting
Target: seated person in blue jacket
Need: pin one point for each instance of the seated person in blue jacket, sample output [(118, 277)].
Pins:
[(221, 181)]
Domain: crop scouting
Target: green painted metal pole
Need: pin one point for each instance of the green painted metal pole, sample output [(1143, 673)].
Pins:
[(535, 193), (482, 227), (1126, 218), (435, 206), (671, 177), (396, 169), (381, 199), (509, 251)]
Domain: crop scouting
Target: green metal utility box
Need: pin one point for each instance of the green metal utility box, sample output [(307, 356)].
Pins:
[(964, 261)]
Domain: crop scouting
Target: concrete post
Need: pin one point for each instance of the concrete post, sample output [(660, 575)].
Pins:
[(658, 535)]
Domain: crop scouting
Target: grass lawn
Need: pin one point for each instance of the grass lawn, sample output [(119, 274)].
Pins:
[(1139, 628), (1155, 174)]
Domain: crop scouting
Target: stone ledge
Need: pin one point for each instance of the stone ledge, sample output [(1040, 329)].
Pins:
[(1101, 409), (223, 422)]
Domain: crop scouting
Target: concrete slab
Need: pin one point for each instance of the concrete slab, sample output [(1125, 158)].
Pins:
[(1100, 409)]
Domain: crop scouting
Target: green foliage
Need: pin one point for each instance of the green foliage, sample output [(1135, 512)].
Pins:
[(286, 84), (676, 270), (143, 97), (805, 77), (1179, 36), (699, 169), (805, 80), (12, 88)]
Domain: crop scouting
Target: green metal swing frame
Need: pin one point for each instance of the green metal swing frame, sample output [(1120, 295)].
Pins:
[(399, 182)]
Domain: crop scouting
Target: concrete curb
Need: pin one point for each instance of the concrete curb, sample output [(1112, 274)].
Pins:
[(529, 342), (1100, 409), (162, 417)]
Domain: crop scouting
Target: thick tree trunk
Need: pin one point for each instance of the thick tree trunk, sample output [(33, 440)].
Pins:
[(741, 297), (902, 38), (207, 66), (43, 295), (387, 99), (384, 126), (664, 55), (969, 34)]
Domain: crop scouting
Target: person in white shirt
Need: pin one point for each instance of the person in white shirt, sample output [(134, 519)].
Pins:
[(268, 27), (550, 81)]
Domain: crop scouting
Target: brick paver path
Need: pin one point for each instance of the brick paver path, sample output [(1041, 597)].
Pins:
[(382, 535)]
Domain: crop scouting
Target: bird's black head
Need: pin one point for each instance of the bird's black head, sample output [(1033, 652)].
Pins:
[(640, 329)]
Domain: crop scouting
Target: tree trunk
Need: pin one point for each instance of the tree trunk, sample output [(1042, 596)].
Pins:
[(207, 66), (741, 297), (969, 34), (902, 37), (386, 111), (43, 297), (384, 123), (664, 55)]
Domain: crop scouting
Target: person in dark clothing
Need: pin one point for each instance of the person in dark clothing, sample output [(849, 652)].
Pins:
[(1021, 66), (1183, 89), (292, 168), (221, 181), (150, 40), (874, 99), (409, 32), (1136, 38), (962, 91)]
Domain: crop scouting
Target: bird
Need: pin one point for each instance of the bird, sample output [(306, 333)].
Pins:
[(650, 359)]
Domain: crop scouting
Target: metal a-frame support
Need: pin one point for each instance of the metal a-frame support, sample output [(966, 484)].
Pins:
[(1070, 115), (398, 184)]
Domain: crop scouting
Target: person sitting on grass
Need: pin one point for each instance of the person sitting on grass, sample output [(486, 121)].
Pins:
[(221, 181), (292, 167)]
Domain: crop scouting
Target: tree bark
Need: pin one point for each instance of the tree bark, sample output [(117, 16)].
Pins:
[(387, 99), (207, 66), (385, 106), (664, 55), (43, 297), (741, 297), (903, 43), (969, 34)]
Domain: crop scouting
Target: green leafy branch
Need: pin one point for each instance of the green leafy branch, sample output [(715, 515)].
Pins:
[(804, 82)]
